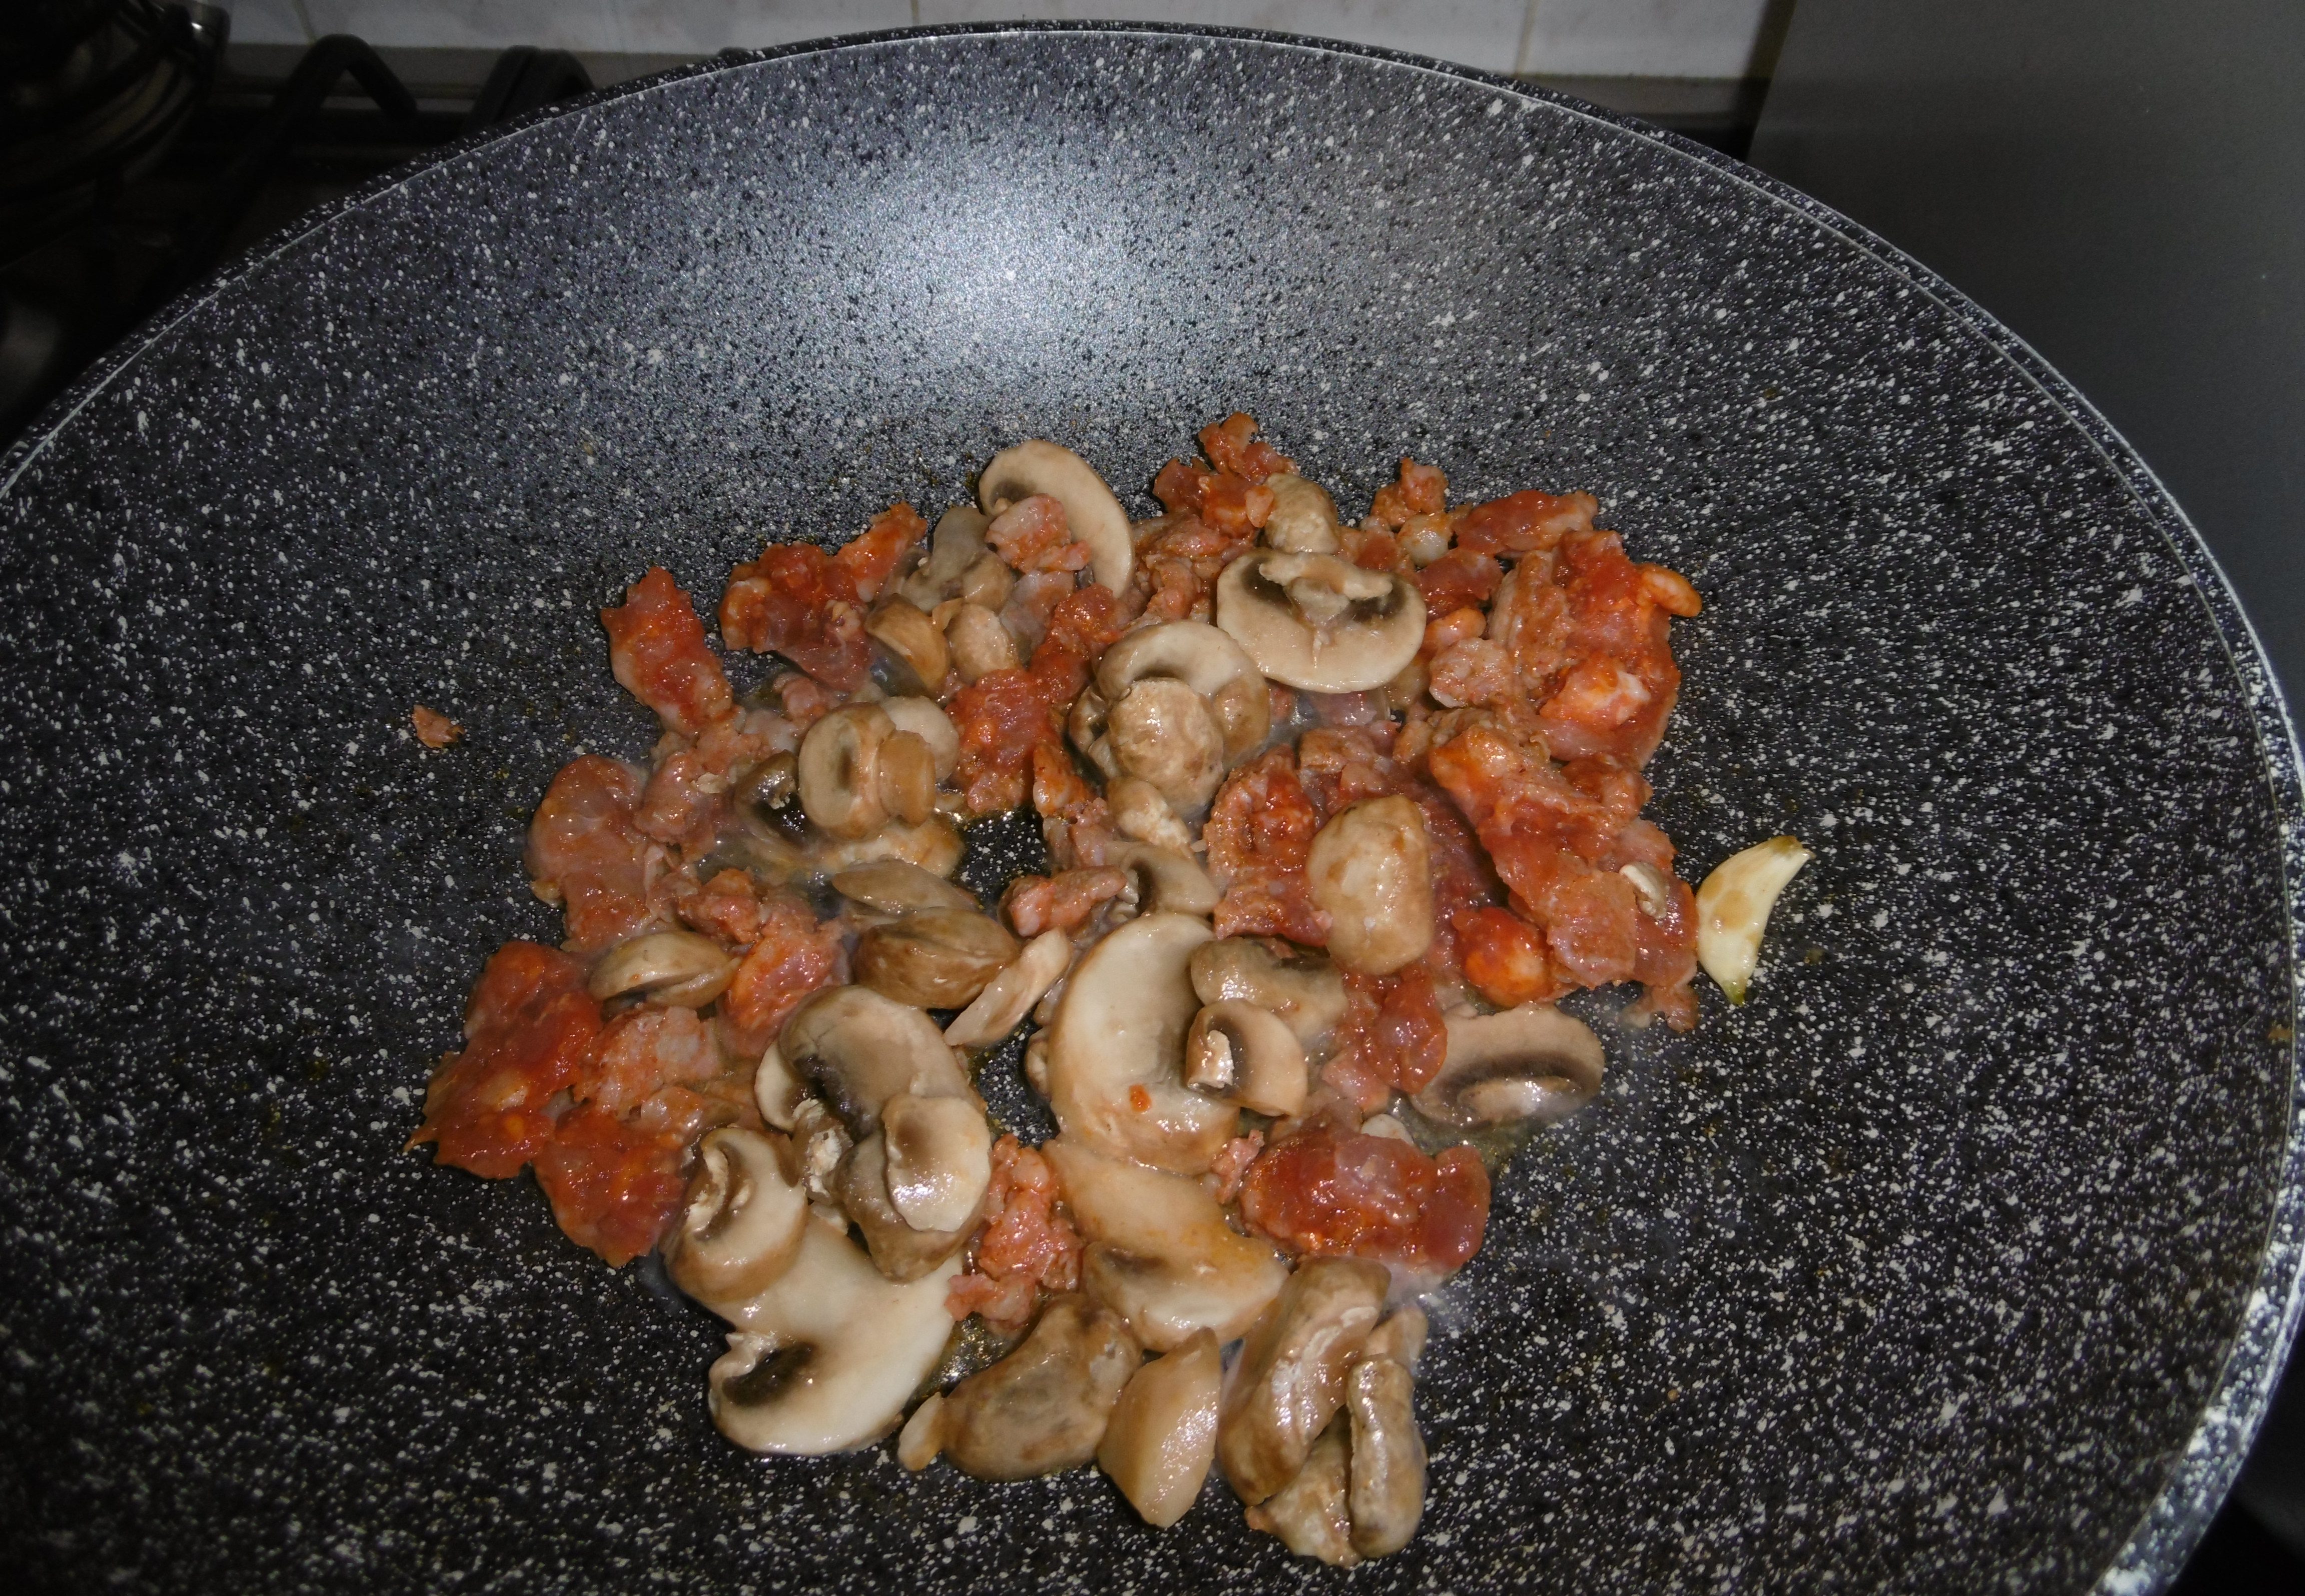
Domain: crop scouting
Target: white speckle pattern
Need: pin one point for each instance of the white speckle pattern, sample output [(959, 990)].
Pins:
[(1960, 1257)]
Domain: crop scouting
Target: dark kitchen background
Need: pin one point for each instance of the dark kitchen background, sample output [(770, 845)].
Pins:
[(2123, 181)]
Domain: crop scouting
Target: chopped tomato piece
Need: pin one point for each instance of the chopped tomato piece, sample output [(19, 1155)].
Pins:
[(1326, 1191), (528, 1027), (1232, 446), (657, 648), (793, 957), (615, 1187), (1421, 490), (1259, 834), (585, 853), (1026, 1245), (1032, 535), (872, 557), (1063, 902), (1458, 578), (1525, 522), (801, 602)]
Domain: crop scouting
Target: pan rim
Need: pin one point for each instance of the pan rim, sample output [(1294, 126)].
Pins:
[(2204, 1470)]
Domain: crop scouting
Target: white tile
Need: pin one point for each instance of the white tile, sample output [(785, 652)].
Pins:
[(666, 27), (267, 22), (1644, 38), (1483, 33)]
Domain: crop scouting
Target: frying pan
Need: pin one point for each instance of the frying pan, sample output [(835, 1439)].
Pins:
[(1960, 1257)]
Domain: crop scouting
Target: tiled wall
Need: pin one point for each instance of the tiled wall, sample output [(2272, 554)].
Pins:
[(1670, 39)]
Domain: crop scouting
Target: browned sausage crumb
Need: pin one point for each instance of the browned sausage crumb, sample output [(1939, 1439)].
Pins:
[(434, 729)]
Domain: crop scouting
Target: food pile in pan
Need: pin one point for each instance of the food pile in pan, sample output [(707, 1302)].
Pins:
[(1333, 813)]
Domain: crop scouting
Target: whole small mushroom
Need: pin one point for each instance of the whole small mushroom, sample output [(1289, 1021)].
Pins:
[(1044, 1408), (1371, 871)]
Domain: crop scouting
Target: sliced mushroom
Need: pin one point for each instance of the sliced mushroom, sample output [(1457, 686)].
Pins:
[(1732, 910), (1386, 1498), (740, 1224), (906, 632), (922, 1436), (934, 958), (1095, 517), (1116, 1050), (957, 544), (860, 1049), (1318, 622), (979, 642), (1239, 1054), (927, 721), (1290, 1379), (1162, 1436), (1304, 519), (675, 969), (893, 887), (1305, 990), (1160, 1250), (934, 844), (1370, 869), (1141, 813), (825, 1359), (987, 584), (1161, 881), (1043, 1408), (1532, 1062), (1009, 997), (900, 1250), (778, 1088), (1312, 1512), (1203, 658), (857, 771), (939, 1161)]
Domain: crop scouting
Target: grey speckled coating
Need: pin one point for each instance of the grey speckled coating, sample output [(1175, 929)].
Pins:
[(1961, 1258)]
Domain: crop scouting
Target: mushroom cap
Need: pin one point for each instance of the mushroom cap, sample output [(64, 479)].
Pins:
[(740, 1224), (1161, 732), (861, 1048), (980, 642), (1036, 465), (1160, 1249), (1009, 997), (906, 632), (1370, 869), (1311, 1513), (1240, 1054), (675, 969), (957, 544), (1305, 991), (1116, 1050), (926, 720), (1043, 1408), (1386, 1498), (939, 1161), (899, 1250), (1318, 622), (1304, 519), (1531, 1062), (934, 958), (1289, 1381), (1207, 660), (1165, 881), (826, 1358), (898, 886), (778, 1089), (1162, 1435)]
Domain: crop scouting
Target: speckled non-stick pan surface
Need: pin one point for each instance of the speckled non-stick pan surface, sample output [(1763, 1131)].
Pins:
[(1959, 1259)]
